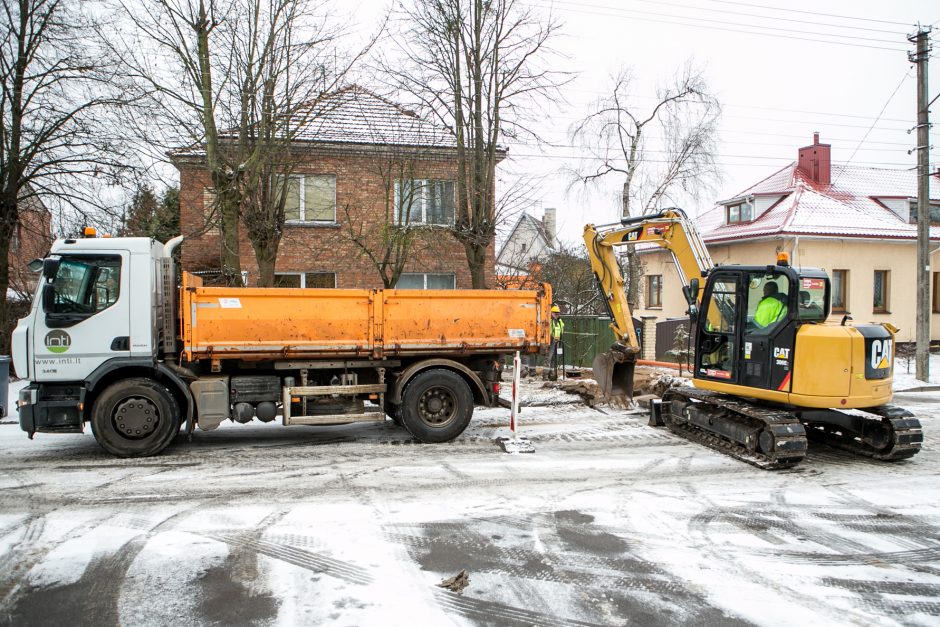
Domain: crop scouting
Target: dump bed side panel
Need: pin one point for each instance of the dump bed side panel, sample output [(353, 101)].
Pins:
[(459, 320), (222, 322)]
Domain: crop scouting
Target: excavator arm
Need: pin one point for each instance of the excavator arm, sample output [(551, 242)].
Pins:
[(671, 229)]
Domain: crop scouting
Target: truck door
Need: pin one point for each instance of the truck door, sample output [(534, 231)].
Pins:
[(83, 317), (716, 341)]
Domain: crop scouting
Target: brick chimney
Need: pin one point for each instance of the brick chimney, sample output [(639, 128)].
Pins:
[(815, 162), (548, 223)]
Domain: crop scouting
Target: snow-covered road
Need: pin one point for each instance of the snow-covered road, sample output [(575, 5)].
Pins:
[(610, 522)]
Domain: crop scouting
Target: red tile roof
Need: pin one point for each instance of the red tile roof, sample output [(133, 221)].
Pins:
[(849, 207)]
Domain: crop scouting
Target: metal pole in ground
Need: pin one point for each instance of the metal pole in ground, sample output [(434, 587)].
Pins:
[(515, 444)]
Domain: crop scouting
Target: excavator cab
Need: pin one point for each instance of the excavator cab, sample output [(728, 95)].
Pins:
[(746, 332)]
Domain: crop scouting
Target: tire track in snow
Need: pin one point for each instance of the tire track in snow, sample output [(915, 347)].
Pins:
[(298, 557)]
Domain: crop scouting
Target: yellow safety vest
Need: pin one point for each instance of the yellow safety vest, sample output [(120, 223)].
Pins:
[(558, 327)]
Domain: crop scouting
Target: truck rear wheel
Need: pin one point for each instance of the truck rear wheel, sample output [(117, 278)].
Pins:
[(436, 406), (135, 418)]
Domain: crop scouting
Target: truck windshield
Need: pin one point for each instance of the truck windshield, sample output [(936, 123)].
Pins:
[(86, 284)]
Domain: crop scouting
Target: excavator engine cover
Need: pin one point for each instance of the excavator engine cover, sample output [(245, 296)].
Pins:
[(613, 372)]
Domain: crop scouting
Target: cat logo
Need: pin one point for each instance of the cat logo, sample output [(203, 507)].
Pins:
[(880, 354), (781, 353), (633, 236)]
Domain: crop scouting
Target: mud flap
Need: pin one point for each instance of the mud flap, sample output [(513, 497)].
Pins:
[(613, 372)]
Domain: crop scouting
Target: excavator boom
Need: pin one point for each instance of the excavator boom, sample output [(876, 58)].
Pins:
[(671, 229)]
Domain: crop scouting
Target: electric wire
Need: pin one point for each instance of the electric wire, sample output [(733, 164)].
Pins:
[(725, 26), (761, 16), (890, 98)]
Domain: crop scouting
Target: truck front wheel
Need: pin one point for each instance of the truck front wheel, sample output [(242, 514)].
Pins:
[(135, 418), (436, 406)]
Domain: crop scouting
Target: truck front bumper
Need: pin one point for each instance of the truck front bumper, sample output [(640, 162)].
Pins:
[(47, 408)]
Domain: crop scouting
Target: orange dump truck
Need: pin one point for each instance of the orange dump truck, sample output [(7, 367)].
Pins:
[(122, 348)]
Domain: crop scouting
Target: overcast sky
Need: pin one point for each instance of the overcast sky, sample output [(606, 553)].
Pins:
[(776, 72)]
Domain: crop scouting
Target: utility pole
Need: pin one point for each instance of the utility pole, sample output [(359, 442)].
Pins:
[(922, 354)]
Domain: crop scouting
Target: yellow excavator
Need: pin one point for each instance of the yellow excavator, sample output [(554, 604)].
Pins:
[(769, 370)]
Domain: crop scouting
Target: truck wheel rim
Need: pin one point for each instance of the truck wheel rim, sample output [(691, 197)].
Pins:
[(135, 418), (437, 407)]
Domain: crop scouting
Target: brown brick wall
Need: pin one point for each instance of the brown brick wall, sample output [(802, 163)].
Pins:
[(32, 239), (360, 187)]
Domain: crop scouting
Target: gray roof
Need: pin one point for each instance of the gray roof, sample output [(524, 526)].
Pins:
[(355, 115)]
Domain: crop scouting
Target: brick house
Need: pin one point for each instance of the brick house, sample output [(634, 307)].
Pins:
[(359, 157), (856, 223), (32, 238)]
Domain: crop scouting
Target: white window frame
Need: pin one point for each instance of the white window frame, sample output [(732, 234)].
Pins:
[(303, 276), (303, 199), (421, 203), (424, 276), (737, 207)]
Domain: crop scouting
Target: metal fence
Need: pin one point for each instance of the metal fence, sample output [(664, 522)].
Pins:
[(666, 338), (587, 336)]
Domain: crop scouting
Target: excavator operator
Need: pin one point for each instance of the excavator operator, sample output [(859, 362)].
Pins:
[(771, 307)]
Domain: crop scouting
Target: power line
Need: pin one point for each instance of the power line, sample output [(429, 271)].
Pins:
[(697, 24), (744, 106), (890, 98), (779, 160), (762, 16), (773, 8)]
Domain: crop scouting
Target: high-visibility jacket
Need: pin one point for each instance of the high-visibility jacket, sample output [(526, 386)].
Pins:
[(558, 327), (769, 310)]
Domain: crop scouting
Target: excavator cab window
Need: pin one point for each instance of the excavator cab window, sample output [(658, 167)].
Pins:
[(716, 342), (768, 297)]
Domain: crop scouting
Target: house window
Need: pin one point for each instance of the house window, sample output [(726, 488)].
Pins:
[(305, 279), (421, 201), (425, 281), (880, 298), (934, 213), (210, 211), (310, 198), (654, 291), (840, 290), (936, 292), (742, 212)]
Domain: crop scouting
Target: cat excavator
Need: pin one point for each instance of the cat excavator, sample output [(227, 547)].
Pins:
[(769, 370)]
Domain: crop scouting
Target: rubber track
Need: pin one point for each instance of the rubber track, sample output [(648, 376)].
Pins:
[(906, 436), (789, 446)]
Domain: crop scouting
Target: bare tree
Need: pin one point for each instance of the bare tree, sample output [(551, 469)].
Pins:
[(248, 78), (474, 64), (58, 88), (657, 153), (390, 238)]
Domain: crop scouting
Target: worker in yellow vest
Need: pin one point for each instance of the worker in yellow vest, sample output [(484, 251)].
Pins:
[(557, 326)]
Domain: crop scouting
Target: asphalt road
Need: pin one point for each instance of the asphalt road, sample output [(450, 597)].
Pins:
[(609, 522)]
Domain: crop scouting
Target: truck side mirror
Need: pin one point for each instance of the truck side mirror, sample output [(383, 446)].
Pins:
[(50, 266), (48, 296), (35, 265)]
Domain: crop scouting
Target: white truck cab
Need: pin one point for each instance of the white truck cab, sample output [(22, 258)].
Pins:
[(99, 307)]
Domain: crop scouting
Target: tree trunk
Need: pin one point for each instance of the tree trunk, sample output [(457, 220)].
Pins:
[(266, 254), (476, 261), (8, 209)]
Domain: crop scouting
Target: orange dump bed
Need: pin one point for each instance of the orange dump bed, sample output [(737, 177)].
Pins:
[(288, 323)]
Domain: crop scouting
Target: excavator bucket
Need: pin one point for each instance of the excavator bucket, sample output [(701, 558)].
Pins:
[(613, 372)]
